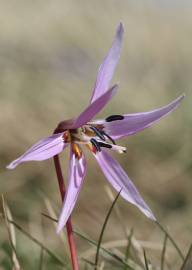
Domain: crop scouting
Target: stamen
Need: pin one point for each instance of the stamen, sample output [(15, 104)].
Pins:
[(66, 137), (120, 149), (106, 145), (111, 139), (96, 144), (114, 117), (76, 150), (98, 132)]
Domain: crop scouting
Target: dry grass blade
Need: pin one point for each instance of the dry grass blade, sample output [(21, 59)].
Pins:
[(163, 252), (102, 265), (127, 252), (122, 243), (11, 233), (131, 262), (51, 254), (103, 230), (187, 265), (171, 240)]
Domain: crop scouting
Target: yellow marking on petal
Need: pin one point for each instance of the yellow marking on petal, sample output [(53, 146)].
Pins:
[(76, 150)]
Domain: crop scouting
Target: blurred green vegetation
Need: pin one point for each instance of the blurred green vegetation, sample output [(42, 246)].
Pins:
[(50, 52)]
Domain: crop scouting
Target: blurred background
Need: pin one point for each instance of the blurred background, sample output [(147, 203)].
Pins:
[(50, 52)]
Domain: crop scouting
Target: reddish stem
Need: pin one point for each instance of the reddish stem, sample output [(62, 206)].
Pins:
[(70, 236)]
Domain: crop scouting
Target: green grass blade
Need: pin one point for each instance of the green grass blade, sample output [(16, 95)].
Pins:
[(164, 251), (146, 262), (41, 259), (171, 240), (103, 230), (127, 252)]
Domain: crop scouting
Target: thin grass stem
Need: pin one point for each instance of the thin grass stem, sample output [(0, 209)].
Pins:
[(164, 251), (127, 252), (187, 265), (145, 259), (103, 230), (171, 240), (41, 259)]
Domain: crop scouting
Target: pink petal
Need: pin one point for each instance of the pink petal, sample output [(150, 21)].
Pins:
[(108, 66), (76, 175), (121, 182), (133, 123), (44, 149), (95, 107)]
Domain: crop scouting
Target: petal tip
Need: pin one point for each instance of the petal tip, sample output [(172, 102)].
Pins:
[(178, 100), (60, 226), (58, 230), (11, 166), (114, 87), (148, 213), (183, 96), (120, 29), (151, 216)]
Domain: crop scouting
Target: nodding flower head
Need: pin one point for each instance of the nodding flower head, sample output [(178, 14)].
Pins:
[(99, 136)]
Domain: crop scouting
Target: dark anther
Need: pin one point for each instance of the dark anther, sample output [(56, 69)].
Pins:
[(103, 132), (102, 144), (96, 145), (114, 117), (98, 133)]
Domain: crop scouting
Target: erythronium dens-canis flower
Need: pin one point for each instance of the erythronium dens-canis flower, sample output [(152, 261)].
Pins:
[(99, 136)]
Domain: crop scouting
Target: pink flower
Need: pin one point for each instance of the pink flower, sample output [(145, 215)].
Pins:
[(99, 137)]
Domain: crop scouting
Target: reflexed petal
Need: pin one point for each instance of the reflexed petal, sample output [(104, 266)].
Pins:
[(76, 175), (108, 66), (133, 123), (94, 107), (44, 149), (120, 181)]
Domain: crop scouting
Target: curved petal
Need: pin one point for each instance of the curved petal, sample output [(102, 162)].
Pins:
[(133, 123), (121, 182), (94, 107), (44, 149), (76, 175), (108, 66)]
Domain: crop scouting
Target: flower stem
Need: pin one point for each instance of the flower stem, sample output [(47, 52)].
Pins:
[(70, 235)]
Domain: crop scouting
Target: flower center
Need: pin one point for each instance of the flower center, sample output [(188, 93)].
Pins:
[(94, 137)]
